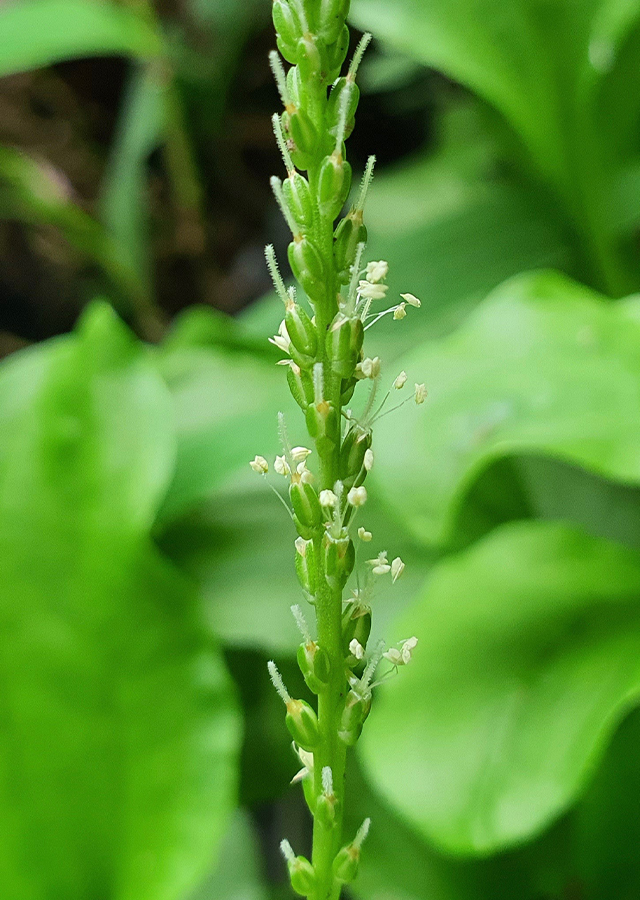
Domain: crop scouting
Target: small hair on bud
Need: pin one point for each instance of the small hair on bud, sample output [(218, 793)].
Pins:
[(365, 183), (362, 833), (281, 79), (287, 850), (303, 628), (274, 271), (327, 780), (282, 144), (278, 683), (357, 56)]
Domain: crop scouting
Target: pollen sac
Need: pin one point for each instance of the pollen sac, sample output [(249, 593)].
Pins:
[(339, 559), (334, 184), (356, 623), (297, 196), (356, 709), (288, 29), (302, 723), (354, 447), (300, 384), (350, 232), (307, 266), (344, 343), (302, 334), (314, 664), (305, 504), (322, 425), (343, 100)]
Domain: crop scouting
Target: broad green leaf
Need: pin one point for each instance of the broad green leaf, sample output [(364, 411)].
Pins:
[(35, 33), (119, 734), (529, 656), (544, 367)]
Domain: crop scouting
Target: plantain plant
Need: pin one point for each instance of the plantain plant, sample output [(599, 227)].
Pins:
[(325, 362)]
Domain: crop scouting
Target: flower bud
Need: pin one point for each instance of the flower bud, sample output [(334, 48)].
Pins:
[(354, 447), (297, 196), (322, 425), (303, 134), (301, 873), (356, 624), (295, 87), (350, 232), (305, 504), (302, 335), (331, 18), (343, 101), (335, 54), (305, 565), (314, 664), (334, 184), (356, 709), (344, 343), (288, 28), (339, 559), (325, 809), (302, 723), (308, 58), (300, 384), (345, 864), (307, 266)]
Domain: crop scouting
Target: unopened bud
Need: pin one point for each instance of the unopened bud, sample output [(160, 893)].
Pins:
[(301, 872)]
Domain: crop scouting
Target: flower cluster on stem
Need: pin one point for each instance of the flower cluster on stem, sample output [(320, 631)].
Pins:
[(322, 346)]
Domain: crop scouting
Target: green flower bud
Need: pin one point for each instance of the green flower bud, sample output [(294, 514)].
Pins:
[(302, 334), (314, 664), (301, 385), (344, 91), (325, 810), (331, 18), (297, 195), (302, 723), (339, 559), (308, 58), (334, 184), (301, 873), (288, 28), (354, 446), (335, 55), (356, 709), (345, 864), (356, 623), (305, 565), (322, 425), (305, 504), (349, 233), (297, 124), (296, 87), (344, 343), (307, 266)]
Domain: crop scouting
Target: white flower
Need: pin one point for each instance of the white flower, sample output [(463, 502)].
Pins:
[(356, 649), (401, 657), (400, 311), (306, 759), (260, 465), (397, 568), (368, 368), (372, 291), (327, 498), (364, 535), (394, 656), (377, 271), (380, 564), (357, 496), (420, 393), (281, 339), (411, 300), (281, 466), (400, 381), (299, 454), (368, 459)]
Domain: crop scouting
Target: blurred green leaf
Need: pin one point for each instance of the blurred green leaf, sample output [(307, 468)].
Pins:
[(237, 875), (124, 201), (120, 733), (529, 655), (35, 33), (543, 366)]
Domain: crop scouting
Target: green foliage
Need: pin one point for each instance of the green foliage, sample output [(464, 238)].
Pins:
[(104, 790)]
